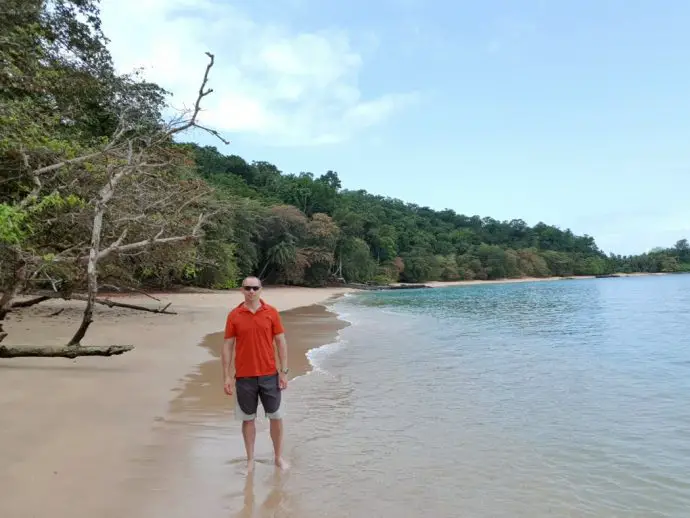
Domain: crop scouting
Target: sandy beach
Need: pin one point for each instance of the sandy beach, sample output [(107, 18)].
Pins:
[(149, 433), (82, 438)]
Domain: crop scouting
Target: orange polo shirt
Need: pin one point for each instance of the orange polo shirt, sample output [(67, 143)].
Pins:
[(254, 333)]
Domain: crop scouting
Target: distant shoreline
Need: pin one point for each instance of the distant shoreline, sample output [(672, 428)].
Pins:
[(477, 282), (341, 289), (445, 284)]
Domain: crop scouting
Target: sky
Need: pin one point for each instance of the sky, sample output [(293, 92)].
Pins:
[(576, 114)]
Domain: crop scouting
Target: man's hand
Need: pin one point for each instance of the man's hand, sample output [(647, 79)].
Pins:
[(282, 381), (227, 387)]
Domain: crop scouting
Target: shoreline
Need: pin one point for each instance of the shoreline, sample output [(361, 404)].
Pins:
[(153, 297), (77, 428), (306, 328)]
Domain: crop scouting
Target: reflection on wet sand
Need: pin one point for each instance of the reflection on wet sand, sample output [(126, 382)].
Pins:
[(273, 504), (198, 461)]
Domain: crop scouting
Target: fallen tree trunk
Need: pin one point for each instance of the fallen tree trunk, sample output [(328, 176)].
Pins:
[(112, 303), (129, 288), (30, 302), (61, 351), (104, 302)]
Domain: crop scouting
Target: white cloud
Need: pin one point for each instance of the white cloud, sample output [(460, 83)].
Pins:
[(281, 86)]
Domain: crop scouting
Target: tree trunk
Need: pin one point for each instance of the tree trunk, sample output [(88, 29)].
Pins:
[(91, 271), (263, 270), (104, 196), (61, 351), (92, 286), (9, 295)]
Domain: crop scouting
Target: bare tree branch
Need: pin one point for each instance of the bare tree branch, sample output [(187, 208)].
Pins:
[(34, 178), (197, 107), (154, 240), (212, 132), (71, 161)]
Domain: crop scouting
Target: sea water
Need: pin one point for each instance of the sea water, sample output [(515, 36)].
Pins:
[(559, 398)]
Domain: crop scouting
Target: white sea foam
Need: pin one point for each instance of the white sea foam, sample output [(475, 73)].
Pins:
[(318, 355)]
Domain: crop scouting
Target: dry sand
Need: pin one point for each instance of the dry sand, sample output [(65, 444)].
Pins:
[(73, 430)]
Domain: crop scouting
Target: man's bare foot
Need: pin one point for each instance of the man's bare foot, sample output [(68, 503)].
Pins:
[(250, 465), (282, 463)]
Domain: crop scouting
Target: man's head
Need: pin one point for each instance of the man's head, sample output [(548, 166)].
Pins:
[(251, 288)]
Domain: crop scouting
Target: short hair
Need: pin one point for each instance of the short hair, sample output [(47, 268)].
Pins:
[(252, 277)]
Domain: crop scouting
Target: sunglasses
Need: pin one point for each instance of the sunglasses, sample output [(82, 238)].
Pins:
[(251, 288)]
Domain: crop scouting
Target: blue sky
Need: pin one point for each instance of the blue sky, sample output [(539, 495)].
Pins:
[(572, 113)]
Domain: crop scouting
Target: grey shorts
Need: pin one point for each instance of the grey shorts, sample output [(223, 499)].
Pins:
[(248, 392)]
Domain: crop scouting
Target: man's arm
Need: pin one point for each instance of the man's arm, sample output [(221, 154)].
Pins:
[(228, 350), (281, 343), (279, 340), (282, 357), (226, 354)]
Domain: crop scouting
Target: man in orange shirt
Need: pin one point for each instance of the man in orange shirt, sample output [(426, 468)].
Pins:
[(250, 331)]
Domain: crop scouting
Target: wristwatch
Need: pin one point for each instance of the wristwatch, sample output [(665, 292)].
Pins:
[(285, 371)]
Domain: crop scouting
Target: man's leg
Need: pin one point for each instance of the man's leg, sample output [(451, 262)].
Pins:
[(249, 435), (277, 438), (271, 400), (247, 394)]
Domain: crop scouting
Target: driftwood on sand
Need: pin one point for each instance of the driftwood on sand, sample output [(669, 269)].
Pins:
[(61, 351), (30, 302), (73, 350), (106, 302), (112, 304)]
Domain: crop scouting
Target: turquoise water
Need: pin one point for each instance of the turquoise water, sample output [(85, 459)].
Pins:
[(563, 398)]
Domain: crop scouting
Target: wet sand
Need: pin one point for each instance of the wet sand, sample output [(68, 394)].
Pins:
[(305, 328), (90, 437)]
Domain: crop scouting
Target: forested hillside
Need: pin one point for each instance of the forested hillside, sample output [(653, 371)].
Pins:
[(366, 237), (96, 187)]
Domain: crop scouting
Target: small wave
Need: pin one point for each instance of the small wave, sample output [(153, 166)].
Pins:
[(339, 313), (318, 355)]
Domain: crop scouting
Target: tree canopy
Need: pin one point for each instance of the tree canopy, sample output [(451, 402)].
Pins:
[(376, 238)]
